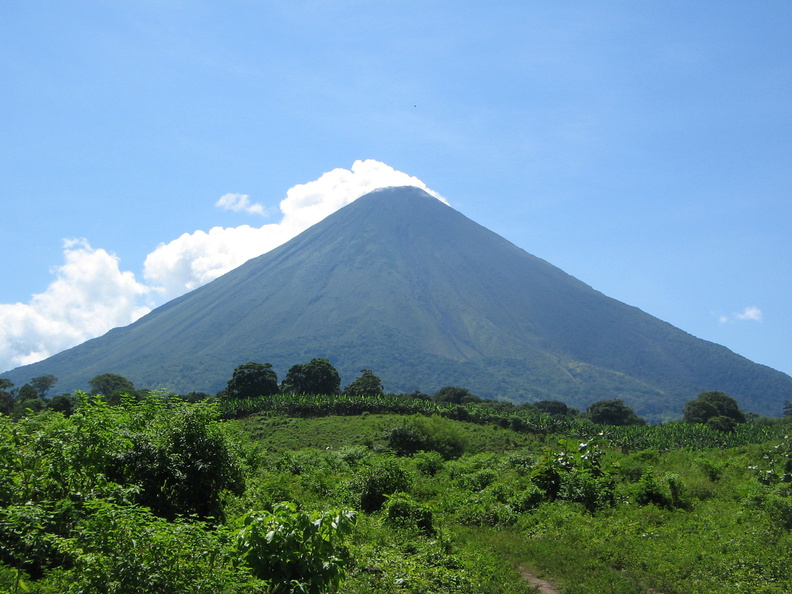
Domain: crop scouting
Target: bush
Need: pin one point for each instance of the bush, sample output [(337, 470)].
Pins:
[(668, 494), (386, 478), (428, 463), (179, 459), (428, 434), (779, 509), (127, 549), (527, 499), (403, 511), (293, 550)]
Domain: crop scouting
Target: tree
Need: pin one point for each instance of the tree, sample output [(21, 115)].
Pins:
[(27, 399), (250, 380), (6, 396), (112, 386), (712, 404), (787, 408), (721, 423), (699, 411), (554, 408), (455, 395), (612, 412), (315, 377), (63, 403), (367, 384), (43, 383)]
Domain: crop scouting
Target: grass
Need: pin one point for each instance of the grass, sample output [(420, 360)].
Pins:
[(281, 434), (675, 520)]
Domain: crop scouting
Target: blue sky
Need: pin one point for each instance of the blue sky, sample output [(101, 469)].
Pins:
[(645, 148)]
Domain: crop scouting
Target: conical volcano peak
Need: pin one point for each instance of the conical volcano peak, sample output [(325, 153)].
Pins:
[(401, 283), (410, 195)]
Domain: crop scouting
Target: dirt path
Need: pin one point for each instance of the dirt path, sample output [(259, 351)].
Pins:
[(542, 586)]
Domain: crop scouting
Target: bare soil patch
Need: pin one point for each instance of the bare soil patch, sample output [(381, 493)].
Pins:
[(542, 586)]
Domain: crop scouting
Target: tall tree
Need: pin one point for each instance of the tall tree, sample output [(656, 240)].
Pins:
[(613, 412), (27, 399), (112, 386), (252, 379), (317, 376), (6, 396), (455, 395), (712, 404), (555, 408), (43, 383), (367, 384)]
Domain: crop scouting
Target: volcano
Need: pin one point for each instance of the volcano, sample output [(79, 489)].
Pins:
[(402, 284)]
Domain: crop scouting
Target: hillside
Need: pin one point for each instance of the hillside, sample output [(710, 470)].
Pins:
[(402, 284), (110, 499)]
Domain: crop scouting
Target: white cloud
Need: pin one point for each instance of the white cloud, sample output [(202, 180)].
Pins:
[(197, 258), (240, 203), (749, 314), (89, 296)]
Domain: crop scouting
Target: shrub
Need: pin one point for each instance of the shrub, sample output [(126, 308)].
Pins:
[(180, 460), (403, 511), (486, 509), (527, 499), (428, 463), (479, 480), (293, 550), (385, 478), (427, 433), (670, 494), (127, 549)]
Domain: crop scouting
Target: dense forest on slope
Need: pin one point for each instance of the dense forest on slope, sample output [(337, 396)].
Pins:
[(388, 494)]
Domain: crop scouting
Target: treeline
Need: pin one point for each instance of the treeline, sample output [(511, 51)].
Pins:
[(254, 387)]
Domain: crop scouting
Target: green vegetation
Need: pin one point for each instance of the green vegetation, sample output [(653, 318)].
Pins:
[(314, 493), (250, 380), (317, 376), (367, 384)]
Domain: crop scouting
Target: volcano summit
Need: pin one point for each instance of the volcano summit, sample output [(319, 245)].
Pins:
[(402, 284)]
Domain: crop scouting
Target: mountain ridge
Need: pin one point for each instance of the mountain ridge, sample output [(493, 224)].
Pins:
[(403, 284)]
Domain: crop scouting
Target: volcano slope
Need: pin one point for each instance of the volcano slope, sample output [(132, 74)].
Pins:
[(402, 284)]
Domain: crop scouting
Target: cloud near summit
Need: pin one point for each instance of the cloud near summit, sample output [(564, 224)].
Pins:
[(199, 257), (91, 294)]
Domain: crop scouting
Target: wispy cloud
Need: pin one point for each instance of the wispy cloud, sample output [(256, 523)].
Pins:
[(91, 294), (749, 314), (240, 203)]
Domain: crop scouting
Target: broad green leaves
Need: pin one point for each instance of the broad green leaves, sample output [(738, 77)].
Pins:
[(295, 551)]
